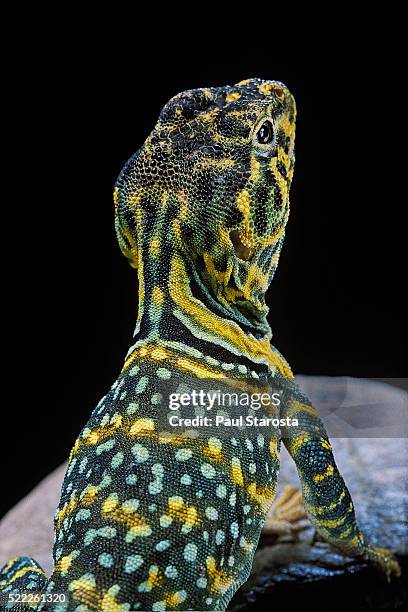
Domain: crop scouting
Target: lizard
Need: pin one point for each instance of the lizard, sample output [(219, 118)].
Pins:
[(150, 521)]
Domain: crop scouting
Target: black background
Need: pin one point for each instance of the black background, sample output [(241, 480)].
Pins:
[(74, 116)]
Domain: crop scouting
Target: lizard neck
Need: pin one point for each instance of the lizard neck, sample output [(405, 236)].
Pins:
[(177, 311)]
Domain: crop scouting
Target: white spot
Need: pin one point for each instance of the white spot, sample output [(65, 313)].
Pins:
[(140, 452), (183, 454), (155, 487), (165, 520), (234, 529), (211, 513), (171, 571), (163, 373), (158, 470), (142, 384), (252, 468), (132, 407), (207, 470), (190, 552), (221, 490)]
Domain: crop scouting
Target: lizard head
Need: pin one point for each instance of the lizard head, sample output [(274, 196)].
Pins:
[(213, 180)]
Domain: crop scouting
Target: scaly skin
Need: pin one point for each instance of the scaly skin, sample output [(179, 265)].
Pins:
[(153, 522)]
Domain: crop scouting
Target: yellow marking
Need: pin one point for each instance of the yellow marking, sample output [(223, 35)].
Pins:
[(197, 369), (329, 472), (64, 563), (283, 157), (273, 448), (259, 350), (10, 564), (287, 126), (323, 509), (67, 509), (237, 140), (141, 425), (295, 406), (158, 296), (135, 522), (84, 590), (22, 572), (282, 182), (266, 89), (220, 581), (89, 495), (218, 164), (213, 450), (97, 435), (255, 167), (177, 231), (173, 599), (233, 96), (154, 247), (254, 278), (244, 82), (109, 604), (222, 278), (236, 472), (165, 437), (154, 579), (157, 353), (332, 523), (180, 511), (110, 504), (210, 116), (243, 204), (116, 196), (184, 205), (297, 443), (261, 495)]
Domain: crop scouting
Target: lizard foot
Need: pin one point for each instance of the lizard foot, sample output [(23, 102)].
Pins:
[(384, 560), (285, 513)]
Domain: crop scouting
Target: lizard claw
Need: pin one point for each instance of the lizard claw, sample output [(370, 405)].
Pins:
[(285, 513), (384, 560)]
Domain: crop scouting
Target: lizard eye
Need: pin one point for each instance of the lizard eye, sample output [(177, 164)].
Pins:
[(265, 133)]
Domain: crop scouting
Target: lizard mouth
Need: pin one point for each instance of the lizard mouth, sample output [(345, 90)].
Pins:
[(241, 251)]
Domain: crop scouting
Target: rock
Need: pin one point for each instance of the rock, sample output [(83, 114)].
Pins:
[(287, 572), (27, 529)]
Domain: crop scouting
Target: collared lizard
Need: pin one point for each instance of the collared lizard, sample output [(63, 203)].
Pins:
[(149, 521)]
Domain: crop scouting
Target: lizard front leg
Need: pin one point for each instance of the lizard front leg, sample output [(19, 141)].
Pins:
[(327, 500)]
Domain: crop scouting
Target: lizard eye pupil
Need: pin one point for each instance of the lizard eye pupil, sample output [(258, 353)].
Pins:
[(265, 133)]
